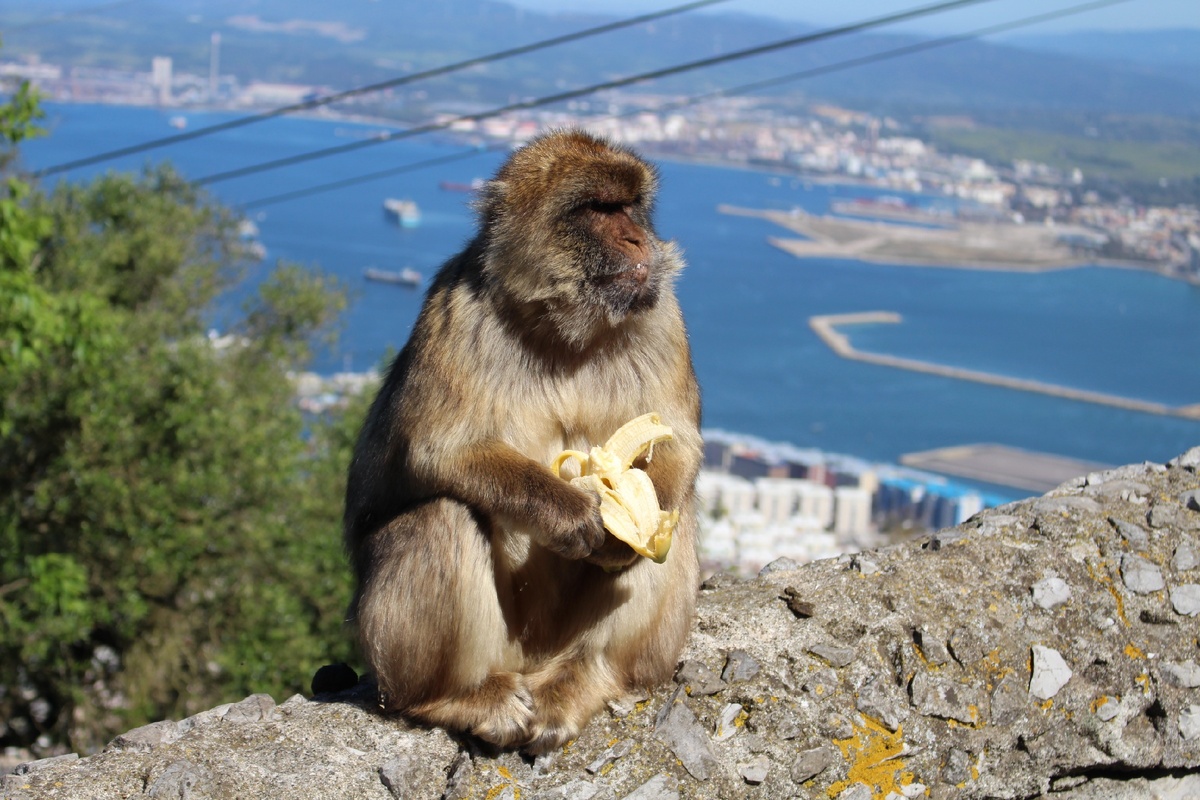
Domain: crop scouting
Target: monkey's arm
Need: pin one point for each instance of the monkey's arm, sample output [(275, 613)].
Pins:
[(501, 482), (672, 470)]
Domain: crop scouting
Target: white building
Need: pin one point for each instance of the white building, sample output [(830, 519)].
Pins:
[(161, 78), (815, 501), (727, 494), (852, 510)]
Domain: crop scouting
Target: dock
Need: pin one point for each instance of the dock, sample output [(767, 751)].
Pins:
[(1003, 466), (1006, 247), (826, 326)]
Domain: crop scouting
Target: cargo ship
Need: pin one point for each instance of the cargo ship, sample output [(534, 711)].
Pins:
[(404, 277)]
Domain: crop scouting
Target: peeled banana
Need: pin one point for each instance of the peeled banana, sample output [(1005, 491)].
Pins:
[(628, 504)]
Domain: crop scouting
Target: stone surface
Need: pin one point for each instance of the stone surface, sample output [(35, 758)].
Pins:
[(677, 726), (1185, 675), (1186, 599), (1131, 533), (811, 763), (1184, 558), (755, 771), (934, 689), (740, 666), (727, 727), (1140, 575), (618, 750), (699, 678), (1051, 591), (835, 655), (1050, 673), (1189, 723)]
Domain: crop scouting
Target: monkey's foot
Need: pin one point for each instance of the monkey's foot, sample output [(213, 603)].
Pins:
[(567, 695), (500, 710), (549, 736)]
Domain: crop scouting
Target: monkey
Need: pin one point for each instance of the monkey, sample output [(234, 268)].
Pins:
[(489, 598)]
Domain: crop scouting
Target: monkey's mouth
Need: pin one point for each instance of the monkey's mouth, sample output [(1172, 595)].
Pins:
[(627, 290), (631, 280)]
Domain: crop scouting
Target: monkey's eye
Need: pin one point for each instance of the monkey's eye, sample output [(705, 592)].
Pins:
[(604, 206)]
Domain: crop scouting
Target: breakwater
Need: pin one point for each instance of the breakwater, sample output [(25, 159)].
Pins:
[(826, 326)]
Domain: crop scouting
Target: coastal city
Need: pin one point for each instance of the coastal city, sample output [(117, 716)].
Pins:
[(759, 500), (816, 143)]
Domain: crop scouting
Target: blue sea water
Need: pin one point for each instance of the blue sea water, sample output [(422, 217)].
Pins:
[(761, 368)]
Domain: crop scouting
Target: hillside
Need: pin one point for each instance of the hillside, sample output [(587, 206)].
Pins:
[(358, 42)]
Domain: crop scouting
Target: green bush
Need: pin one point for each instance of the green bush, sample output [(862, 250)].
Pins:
[(169, 522)]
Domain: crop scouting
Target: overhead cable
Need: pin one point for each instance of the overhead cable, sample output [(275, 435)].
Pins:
[(391, 136), (697, 99), (392, 83)]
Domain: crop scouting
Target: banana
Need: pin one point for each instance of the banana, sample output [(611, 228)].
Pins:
[(628, 504)]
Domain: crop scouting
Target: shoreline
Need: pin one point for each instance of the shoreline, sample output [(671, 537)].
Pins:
[(881, 242)]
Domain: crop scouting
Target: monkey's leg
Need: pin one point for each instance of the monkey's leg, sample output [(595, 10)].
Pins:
[(432, 630), (567, 693)]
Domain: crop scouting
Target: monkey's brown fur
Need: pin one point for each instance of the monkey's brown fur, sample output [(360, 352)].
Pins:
[(481, 603)]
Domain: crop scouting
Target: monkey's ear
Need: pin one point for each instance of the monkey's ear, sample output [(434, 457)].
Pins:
[(490, 199)]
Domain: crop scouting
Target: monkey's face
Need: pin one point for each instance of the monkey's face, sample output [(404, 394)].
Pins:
[(618, 255), (570, 231)]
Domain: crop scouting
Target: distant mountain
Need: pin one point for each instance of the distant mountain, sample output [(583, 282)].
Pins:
[(1171, 48), (1172, 55), (362, 41)]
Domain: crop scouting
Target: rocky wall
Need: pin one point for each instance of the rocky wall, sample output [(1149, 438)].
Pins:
[(1046, 647)]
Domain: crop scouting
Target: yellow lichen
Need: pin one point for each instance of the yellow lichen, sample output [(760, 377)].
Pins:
[(504, 772), (873, 753), (1133, 651), (1144, 681), (1108, 584)]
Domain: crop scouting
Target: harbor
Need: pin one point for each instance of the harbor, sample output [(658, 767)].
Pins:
[(1001, 465), (941, 243), (825, 326)]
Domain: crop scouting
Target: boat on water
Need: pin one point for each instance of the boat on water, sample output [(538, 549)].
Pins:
[(455, 186), (404, 212), (403, 277), (178, 122)]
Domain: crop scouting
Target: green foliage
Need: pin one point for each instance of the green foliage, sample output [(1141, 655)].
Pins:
[(1141, 168), (169, 520)]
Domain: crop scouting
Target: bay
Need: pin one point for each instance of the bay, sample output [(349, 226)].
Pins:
[(761, 368)]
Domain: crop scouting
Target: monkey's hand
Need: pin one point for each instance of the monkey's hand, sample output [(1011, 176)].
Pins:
[(579, 532), (628, 503)]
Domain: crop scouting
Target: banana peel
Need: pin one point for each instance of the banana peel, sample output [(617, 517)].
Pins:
[(628, 503)]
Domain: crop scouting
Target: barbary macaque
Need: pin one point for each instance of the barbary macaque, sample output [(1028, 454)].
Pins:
[(490, 598)]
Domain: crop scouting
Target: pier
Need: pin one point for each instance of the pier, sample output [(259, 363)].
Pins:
[(1003, 466), (997, 246), (826, 326)]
